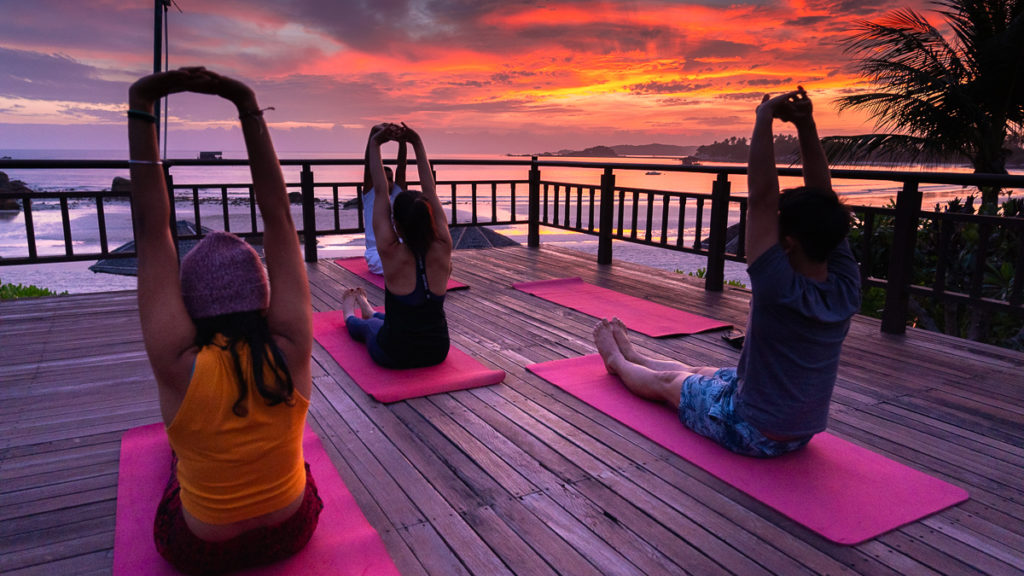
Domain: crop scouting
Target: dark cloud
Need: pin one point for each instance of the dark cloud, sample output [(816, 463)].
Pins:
[(35, 75), (379, 26), (406, 27), (863, 8), (767, 81), (676, 101), (720, 49), (467, 84), (508, 76), (603, 38), (717, 120), (65, 27), (808, 21), (78, 51), (740, 96), (654, 87)]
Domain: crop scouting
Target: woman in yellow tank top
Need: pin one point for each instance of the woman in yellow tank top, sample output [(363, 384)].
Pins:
[(230, 348)]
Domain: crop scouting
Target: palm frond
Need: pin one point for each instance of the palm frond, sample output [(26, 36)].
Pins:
[(936, 97), (899, 149), (930, 114), (907, 39)]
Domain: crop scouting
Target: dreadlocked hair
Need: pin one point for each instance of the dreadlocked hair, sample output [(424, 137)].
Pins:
[(250, 328)]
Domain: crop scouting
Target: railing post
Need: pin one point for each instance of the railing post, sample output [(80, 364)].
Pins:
[(533, 217), (308, 214), (901, 259), (604, 235), (715, 277), (169, 180)]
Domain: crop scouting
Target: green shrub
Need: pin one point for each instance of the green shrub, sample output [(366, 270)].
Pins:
[(959, 242), (16, 291), (703, 272)]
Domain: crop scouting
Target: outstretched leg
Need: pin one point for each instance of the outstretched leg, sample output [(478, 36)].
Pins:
[(634, 356), (663, 386)]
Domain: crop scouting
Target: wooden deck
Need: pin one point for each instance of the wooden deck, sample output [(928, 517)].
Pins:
[(520, 478)]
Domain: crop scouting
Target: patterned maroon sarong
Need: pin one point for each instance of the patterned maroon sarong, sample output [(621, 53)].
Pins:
[(192, 555)]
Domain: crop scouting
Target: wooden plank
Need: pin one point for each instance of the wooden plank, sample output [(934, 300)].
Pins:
[(521, 477)]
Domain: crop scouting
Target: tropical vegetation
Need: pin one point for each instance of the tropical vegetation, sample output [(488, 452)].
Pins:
[(961, 255), (938, 99), (16, 291)]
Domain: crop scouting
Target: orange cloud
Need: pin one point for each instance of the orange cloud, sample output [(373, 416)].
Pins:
[(653, 69)]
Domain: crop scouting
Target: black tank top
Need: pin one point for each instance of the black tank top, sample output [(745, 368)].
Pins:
[(415, 330)]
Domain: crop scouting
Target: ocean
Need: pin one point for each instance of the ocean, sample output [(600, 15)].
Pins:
[(77, 278)]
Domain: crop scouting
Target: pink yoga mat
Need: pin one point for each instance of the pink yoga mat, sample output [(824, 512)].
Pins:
[(344, 542), (357, 266), (458, 372), (644, 316), (845, 493)]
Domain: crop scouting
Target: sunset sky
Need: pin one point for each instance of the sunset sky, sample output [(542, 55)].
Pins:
[(473, 76)]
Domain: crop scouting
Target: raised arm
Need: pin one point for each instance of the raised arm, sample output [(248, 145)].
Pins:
[(762, 175), (167, 329), (762, 185), (815, 164), (290, 313), (427, 184), (383, 230)]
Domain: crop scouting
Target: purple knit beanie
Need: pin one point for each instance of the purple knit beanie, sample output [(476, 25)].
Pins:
[(223, 275)]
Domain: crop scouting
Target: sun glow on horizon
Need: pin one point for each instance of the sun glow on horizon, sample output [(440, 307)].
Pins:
[(646, 69)]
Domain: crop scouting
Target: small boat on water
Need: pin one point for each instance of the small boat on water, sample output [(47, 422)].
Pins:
[(210, 155), (653, 173)]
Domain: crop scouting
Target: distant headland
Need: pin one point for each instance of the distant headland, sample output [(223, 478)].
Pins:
[(623, 150), (737, 149)]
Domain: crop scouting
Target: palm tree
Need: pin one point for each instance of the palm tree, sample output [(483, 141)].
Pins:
[(937, 100)]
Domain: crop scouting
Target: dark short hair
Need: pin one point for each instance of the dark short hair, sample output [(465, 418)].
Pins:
[(815, 218)]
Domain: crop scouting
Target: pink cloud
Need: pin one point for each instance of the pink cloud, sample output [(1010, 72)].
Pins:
[(495, 68)]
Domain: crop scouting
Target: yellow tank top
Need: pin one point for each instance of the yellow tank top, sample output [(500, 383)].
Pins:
[(234, 468)]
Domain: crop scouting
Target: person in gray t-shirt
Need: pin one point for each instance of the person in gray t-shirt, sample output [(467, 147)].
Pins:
[(805, 286)]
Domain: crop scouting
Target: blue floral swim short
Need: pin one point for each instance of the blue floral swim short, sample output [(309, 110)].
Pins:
[(707, 406)]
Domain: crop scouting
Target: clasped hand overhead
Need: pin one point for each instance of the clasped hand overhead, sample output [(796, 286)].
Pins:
[(390, 132), (794, 107), (148, 89)]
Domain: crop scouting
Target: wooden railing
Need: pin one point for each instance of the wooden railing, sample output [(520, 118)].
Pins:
[(658, 218)]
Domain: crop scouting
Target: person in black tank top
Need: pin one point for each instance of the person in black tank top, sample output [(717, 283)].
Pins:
[(413, 330)]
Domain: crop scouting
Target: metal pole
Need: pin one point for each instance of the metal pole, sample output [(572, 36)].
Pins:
[(158, 25)]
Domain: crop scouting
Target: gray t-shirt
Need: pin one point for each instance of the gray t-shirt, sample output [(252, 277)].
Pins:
[(795, 331)]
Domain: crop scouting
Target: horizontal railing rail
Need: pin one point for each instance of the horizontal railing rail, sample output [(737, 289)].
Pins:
[(986, 272)]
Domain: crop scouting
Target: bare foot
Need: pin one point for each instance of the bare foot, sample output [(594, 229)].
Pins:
[(363, 303), (606, 346), (622, 340), (348, 303)]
